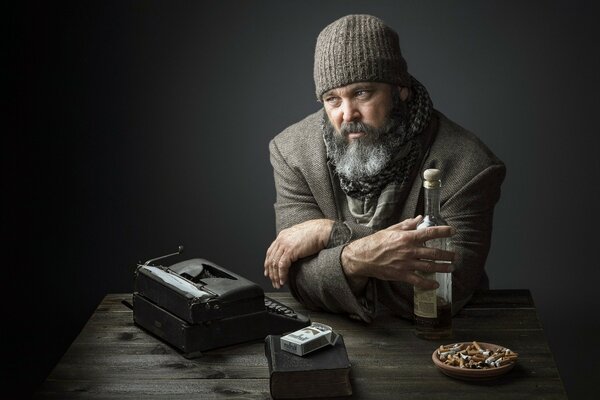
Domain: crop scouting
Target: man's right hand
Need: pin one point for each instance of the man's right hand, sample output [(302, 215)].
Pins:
[(395, 253), (293, 243)]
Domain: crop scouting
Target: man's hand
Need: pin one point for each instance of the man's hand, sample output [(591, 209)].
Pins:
[(293, 243), (395, 253)]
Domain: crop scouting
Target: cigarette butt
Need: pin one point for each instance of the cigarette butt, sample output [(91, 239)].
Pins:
[(474, 356)]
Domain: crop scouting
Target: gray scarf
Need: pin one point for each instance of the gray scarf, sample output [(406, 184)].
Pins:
[(409, 151)]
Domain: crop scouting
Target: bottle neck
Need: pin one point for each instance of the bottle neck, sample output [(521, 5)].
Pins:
[(432, 202)]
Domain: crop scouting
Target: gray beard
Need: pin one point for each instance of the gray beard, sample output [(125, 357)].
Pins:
[(368, 155)]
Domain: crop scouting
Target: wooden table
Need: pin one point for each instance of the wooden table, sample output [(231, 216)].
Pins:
[(114, 359)]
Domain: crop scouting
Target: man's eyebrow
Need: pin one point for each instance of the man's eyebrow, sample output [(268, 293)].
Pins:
[(365, 85), (351, 88)]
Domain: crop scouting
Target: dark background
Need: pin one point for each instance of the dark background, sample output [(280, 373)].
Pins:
[(137, 126)]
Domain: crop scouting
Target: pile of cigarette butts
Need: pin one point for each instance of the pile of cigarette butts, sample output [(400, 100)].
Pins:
[(473, 356)]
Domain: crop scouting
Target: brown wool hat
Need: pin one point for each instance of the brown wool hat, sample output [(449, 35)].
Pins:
[(358, 48)]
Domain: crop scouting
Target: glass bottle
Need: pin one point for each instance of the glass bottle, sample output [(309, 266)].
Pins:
[(433, 308)]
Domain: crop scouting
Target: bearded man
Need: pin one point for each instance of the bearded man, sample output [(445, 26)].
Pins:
[(349, 190)]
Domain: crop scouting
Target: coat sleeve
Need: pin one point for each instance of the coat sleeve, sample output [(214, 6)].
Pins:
[(317, 281), (471, 210)]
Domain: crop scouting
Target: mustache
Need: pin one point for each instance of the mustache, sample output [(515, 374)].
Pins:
[(356, 126)]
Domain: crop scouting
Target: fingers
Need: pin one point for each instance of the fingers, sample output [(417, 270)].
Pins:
[(267, 264), (274, 275), (409, 271), (277, 264), (274, 268), (432, 232), (422, 283), (283, 269), (430, 266), (271, 269), (270, 259), (279, 270), (433, 254), (402, 274), (407, 224)]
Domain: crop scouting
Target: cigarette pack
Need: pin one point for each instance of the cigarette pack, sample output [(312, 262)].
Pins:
[(308, 339)]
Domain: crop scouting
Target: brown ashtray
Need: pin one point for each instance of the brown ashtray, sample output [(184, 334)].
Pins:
[(472, 374)]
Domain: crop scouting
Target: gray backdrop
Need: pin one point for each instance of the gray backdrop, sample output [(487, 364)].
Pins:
[(144, 125)]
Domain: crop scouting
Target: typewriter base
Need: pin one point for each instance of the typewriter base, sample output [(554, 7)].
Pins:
[(193, 339)]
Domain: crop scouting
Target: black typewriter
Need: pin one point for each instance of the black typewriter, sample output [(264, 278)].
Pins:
[(196, 305)]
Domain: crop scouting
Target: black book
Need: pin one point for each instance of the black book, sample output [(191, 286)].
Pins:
[(323, 373)]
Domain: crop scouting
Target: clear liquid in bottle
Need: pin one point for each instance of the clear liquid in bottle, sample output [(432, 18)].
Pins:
[(433, 308)]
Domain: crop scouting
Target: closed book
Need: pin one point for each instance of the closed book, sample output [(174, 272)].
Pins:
[(323, 373)]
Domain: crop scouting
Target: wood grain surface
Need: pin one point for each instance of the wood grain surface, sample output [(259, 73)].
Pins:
[(114, 359)]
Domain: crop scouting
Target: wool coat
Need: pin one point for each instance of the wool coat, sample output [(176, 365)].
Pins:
[(307, 188)]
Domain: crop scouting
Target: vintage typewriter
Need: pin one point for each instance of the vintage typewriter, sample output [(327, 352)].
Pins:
[(196, 305)]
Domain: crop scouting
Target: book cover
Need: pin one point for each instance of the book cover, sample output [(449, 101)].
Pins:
[(323, 373)]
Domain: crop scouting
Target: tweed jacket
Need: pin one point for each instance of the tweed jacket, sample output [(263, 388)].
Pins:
[(308, 189)]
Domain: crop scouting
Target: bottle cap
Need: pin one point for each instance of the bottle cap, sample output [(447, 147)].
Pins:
[(431, 178)]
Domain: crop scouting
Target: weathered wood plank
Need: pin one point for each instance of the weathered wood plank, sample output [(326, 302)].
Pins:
[(122, 357), (114, 303), (114, 367), (140, 341), (444, 388), (494, 318), (505, 298), (508, 298), (165, 388), (113, 358), (439, 387)]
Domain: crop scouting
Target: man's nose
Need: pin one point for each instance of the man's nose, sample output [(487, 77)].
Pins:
[(350, 111)]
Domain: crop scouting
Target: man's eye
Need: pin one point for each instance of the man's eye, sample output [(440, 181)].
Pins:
[(362, 94), (331, 100)]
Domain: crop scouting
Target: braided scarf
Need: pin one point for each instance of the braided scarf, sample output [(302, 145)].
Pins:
[(409, 150)]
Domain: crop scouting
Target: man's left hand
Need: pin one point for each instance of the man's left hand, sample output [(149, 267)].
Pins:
[(293, 243)]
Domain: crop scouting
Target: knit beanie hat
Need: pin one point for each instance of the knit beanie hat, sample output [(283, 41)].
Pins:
[(358, 48)]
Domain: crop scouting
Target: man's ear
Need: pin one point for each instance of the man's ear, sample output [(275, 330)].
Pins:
[(404, 93)]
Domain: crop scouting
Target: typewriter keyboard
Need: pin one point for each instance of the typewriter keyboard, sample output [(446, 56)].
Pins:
[(276, 307)]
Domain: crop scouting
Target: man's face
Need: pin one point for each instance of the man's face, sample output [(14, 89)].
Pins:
[(368, 103), (364, 127)]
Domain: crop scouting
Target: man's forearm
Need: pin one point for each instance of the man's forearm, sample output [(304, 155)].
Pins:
[(319, 282)]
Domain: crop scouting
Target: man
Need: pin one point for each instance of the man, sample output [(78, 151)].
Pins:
[(348, 183)]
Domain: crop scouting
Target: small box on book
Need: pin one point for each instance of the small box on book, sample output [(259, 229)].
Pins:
[(322, 373)]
